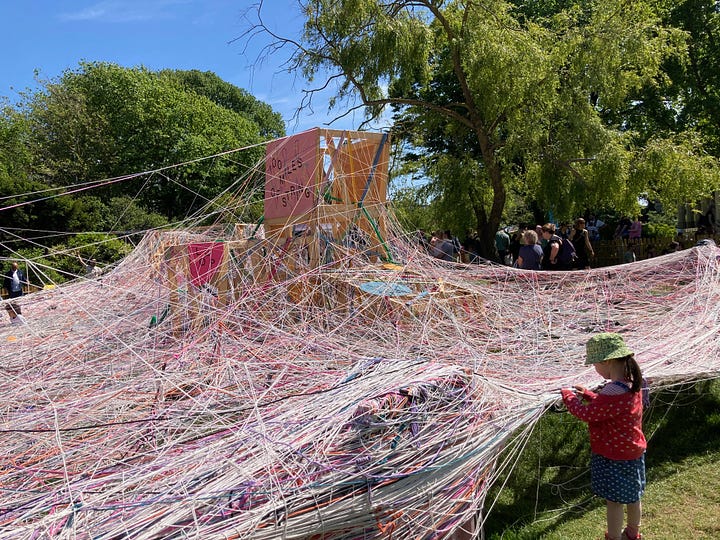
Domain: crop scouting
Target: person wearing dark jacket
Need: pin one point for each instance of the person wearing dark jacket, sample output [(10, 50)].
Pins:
[(14, 281)]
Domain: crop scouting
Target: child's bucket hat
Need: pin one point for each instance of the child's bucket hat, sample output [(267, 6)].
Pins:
[(605, 346)]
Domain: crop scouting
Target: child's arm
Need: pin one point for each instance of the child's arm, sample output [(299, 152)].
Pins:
[(600, 407), (579, 395), (568, 396), (586, 394)]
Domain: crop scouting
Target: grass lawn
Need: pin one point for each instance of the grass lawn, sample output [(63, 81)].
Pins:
[(547, 494)]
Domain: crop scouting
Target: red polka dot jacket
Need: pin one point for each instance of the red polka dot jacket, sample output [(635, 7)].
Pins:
[(615, 422)]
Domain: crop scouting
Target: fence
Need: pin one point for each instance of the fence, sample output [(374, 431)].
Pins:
[(611, 252)]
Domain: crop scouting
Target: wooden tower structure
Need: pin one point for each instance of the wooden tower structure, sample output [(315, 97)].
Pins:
[(328, 184)]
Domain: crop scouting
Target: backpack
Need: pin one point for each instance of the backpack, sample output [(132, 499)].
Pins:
[(566, 254)]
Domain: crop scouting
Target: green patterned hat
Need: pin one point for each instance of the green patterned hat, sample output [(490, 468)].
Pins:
[(605, 346)]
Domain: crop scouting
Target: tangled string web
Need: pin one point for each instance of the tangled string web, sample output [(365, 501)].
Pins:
[(352, 399)]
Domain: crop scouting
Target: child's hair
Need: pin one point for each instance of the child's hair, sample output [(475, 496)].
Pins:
[(14, 308), (632, 372)]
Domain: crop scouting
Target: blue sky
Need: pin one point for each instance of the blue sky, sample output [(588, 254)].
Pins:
[(51, 36)]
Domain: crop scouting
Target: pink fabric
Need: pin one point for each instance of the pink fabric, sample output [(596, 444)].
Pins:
[(204, 260)]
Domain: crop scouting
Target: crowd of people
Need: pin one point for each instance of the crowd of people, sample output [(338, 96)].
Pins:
[(537, 249), (568, 246), (547, 247), (442, 245)]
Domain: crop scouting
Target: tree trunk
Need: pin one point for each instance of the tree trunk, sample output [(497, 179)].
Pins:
[(488, 225)]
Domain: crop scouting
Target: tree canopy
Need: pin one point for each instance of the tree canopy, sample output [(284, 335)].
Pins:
[(524, 100), (105, 121), (116, 129)]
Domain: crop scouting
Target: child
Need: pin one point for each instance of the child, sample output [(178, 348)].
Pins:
[(15, 314), (617, 443)]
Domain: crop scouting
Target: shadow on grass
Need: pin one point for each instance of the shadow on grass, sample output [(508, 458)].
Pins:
[(682, 423), (552, 480)]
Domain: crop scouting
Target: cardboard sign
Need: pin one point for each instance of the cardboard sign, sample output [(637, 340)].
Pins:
[(291, 172), (204, 259)]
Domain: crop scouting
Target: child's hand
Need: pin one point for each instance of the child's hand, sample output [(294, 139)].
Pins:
[(580, 389)]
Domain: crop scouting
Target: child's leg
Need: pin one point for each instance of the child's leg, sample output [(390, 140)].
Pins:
[(615, 515), (634, 514)]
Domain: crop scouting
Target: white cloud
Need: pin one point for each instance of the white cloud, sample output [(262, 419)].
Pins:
[(124, 11)]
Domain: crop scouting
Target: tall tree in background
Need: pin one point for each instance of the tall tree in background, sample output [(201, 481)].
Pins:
[(700, 78), (497, 98), (228, 96), (14, 164), (102, 121), (688, 96), (105, 121)]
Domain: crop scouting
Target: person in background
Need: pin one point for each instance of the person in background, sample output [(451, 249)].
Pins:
[(422, 240), (706, 222), (442, 248), (593, 227), (617, 443), (92, 270), (14, 281), (565, 230), (502, 245), (470, 248), (630, 255), (541, 239), (517, 240), (530, 254), (15, 314), (623, 228), (635, 231), (551, 248), (583, 247), (455, 242)]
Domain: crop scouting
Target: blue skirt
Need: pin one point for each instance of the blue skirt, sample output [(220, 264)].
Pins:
[(620, 481)]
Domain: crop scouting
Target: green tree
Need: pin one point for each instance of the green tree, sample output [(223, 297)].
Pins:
[(102, 247), (14, 161), (96, 150), (228, 96), (499, 99), (697, 80), (51, 267), (411, 210), (687, 95), (108, 124), (19, 219), (125, 215)]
